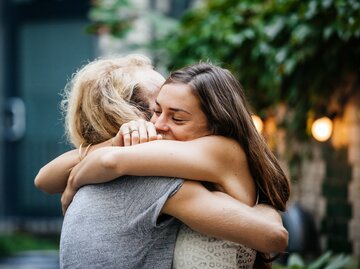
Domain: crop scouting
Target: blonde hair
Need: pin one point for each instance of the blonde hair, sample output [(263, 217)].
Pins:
[(101, 96)]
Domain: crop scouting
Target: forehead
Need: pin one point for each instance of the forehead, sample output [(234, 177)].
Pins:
[(177, 95)]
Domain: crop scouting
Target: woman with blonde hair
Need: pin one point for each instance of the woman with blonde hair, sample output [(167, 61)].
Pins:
[(106, 93), (100, 97), (191, 202)]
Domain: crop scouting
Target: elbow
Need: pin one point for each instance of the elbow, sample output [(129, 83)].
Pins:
[(40, 183), (279, 240), (37, 182)]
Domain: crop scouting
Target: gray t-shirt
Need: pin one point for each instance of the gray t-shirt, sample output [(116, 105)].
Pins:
[(117, 225)]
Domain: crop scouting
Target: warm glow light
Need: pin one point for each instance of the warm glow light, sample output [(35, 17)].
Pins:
[(321, 129), (259, 125)]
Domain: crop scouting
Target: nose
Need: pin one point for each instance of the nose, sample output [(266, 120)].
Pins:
[(161, 123)]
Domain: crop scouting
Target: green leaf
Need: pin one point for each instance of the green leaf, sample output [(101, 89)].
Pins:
[(295, 262), (321, 261), (311, 9), (300, 34), (339, 261), (326, 3), (273, 29)]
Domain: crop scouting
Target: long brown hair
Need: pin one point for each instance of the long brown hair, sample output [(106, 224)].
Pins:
[(228, 114)]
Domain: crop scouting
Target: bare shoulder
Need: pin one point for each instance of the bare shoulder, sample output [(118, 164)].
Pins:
[(216, 140), (212, 142), (221, 146), (229, 161)]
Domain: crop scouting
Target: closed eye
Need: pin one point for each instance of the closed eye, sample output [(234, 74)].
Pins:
[(178, 120), (157, 112)]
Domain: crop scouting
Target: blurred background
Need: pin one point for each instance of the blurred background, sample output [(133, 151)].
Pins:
[(299, 62)]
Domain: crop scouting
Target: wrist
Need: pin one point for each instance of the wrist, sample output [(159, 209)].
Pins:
[(73, 183)]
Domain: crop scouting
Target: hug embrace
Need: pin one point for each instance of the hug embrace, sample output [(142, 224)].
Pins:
[(166, 173)]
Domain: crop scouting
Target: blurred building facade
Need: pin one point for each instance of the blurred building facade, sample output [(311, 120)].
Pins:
[(328, 186), (42, 43)]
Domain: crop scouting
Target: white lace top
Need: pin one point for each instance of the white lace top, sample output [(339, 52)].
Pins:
[(194, 250)]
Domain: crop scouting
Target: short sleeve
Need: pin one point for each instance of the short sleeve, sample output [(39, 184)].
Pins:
[(161, 190)]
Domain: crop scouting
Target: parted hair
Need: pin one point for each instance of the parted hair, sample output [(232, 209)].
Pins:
[(228, 114), (103, 95)]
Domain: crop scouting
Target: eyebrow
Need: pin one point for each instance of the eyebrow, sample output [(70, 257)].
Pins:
[(174, 109)]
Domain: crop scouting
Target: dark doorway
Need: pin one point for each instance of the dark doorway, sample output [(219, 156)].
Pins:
[(45, 43)]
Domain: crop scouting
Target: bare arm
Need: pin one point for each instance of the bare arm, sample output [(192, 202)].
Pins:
[(205, 159), (219, 215), (213, 158), (52, 178)]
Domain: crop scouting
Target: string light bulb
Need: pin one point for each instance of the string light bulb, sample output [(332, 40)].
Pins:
[(321, 129), (259, 125)]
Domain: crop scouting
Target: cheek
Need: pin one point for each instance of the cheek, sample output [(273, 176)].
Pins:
[(199, 130), (177, 132), (183, 133)]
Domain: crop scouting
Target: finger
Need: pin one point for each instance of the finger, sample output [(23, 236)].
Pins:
[(159, 137), (135, 138), (134, 132), (68, 197), (127, 139), (64, 210), (151, 130), (143, 133), (63, 207), (125, 133), (117, 140)]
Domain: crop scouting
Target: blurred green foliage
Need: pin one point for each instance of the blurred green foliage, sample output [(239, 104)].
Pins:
[(283, 51), (13, 243), (116, 17), (326, 261)]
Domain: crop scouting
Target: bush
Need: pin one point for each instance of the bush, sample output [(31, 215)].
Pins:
[(326, 261), (11, 244)]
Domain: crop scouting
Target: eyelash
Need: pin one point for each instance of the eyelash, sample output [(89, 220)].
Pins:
[(158, 112), (177, 120)]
